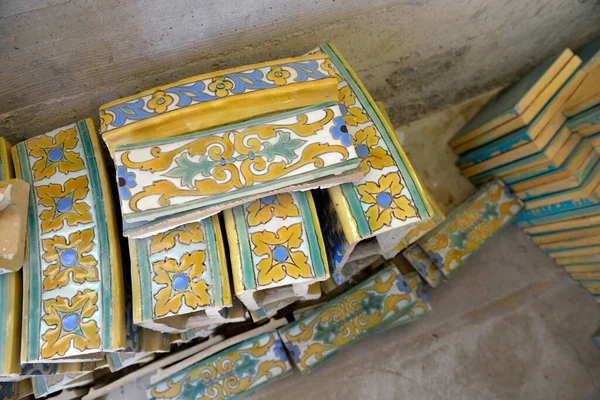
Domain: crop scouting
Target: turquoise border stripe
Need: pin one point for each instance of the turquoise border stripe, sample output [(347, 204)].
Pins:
[(384, 133), (244, 247), (33, 332), (145, 282), (311, 233), (194, 205), (211, 246), (106, 279), (356, 208), (227, 128), (2, 318)]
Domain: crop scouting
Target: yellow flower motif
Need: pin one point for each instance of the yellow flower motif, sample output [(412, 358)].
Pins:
[(281, 205), (355, 116), (346, 97), (68, 259), (185, 234), (53, 154), (278, 75), (183, 282), (387, 201), (220, 86), (281, 261), (370, 155), (67, 317), (159, 102), (64, 204), (105, 120), (328, 66)]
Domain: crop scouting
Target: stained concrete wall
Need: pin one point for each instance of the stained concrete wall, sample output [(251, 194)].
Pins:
[(61, 59)]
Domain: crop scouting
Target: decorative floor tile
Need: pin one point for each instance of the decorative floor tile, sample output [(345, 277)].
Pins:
[(9, 391), (349, 317), (463, 232), (587, 194), (195, 333), (515, 106), (228, 374), (539, 145), (10, 324), (587, 124), (276, 248), (577, 167), (180, 277), (270, 310), (205, 101), (389, 201), (44, 385), (419, 259), (72, 277), (549, 223), (188, 178), (553, 157)]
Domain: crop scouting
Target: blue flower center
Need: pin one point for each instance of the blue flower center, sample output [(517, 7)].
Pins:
[(70, 322), (55, 154), (251, 155), (278, 74), (160, 100), (68, 258), (220, 85), (362, 151), (64, 204), (223, 162), (180, 282), (268, 199), (384, 199), (280, 253)]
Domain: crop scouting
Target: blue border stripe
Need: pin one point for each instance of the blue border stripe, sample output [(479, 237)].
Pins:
[(356, 208), (143, 268), (244, 247), (102, 238), (211, 247), (33, 332), (313, 242), (384, 133)]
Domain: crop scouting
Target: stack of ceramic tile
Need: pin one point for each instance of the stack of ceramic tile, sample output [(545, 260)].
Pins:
[(541, 135)]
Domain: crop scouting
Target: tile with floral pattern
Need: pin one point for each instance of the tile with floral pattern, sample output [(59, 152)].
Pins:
[(168, 182), (73, 278), (205, 101), (365, 309), (180, 272), (276, 248), (389, 199), (43, 385), (229, 374)]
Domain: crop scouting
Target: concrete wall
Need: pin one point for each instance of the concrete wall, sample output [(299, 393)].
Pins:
[(61, 59)]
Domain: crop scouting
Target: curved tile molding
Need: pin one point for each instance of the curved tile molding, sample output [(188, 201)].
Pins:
[(180, 278), (73, 307), (276, 248), (184, 179), (218, 98)]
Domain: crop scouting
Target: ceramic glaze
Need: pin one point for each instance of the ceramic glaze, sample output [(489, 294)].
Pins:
[(197, 175), (276, 247), (73, 278), (219, 98), (228, 374)]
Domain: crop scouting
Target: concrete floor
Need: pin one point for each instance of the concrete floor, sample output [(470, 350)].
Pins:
[(511, 325)]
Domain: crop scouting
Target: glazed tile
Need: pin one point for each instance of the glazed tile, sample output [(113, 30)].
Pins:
[(188, 178), (560, 256), (516, 105), (195, 333), (587, 194), (9, 391), (347, 318), (590, 275), (419, 259), (180, 277), (45, 385), (591, 228), (389, 201), (465, 230), (587, 124), (568, 260), (218, 98), (270, 310), (13, 219), (587, 94), (570, 244), (10, 324), (276, 248), (72, 272), (229, 374), (557, 221), (582, 268)]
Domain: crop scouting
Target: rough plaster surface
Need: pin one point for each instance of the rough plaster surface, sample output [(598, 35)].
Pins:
[(511, 325), (61, 59)]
